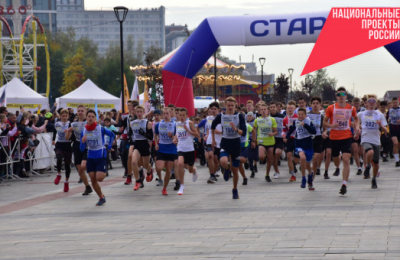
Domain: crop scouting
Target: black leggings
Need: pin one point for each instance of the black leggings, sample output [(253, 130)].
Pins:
[(64, 151)]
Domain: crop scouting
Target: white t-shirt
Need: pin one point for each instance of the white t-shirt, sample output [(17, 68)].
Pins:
[(218, 137), (370, 130)]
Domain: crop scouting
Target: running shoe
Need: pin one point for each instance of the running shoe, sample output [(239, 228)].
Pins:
[(211, 180), (276, 175), (164, 192), (215, 178), (359, 172), (149, 176), (181, 189), (337, 172), (366, 172), (235, 194), (128, 180), (195, 175), (361, 163), (66, 187), (137, 186), (311, 187), (87, 191), (141, 174), (343, 189), (255, 168), (310, 179), (398, 164), (292, 179), (385, 159), (141, 183), (101, 201), (253, 174), (216, 174), (177, 185), (246, 165), (326, 175), (318, 172), (57, 179), (267, 178), (373, 184), (172, 176), (160, 183), (244, 181), (303, 182), (227, 174)]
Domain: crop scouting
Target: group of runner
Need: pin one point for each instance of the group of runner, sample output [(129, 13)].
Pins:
[(233, 141)]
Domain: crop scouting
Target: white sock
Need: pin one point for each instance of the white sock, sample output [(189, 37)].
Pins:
[(345, 182), (359, 168), (396, 156)]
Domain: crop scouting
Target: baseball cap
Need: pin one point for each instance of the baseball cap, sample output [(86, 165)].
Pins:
[(157, 112), (48, 115)]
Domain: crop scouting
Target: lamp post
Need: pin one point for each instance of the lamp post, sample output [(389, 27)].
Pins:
[(262, 62), (290, 74), (120, 13), (215, 76)]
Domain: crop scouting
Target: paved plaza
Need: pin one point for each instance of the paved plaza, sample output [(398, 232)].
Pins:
[(277, 220)]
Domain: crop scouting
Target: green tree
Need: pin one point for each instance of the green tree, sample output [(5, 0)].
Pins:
[(74, 73), (281, 88)]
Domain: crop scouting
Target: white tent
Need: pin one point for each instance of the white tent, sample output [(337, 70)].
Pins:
[(88, 94), (18, 94)]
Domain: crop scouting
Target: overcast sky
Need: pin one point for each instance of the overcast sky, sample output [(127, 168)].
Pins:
[(373, 72)]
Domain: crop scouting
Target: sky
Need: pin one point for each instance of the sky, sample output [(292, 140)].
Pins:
[(374, 72)]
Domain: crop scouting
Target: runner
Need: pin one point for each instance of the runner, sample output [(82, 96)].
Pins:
[(318, 120), (264, 130), (385, 140), (372, 122), (356, 146), (233, 126), (287, 122), (142, 133), (92, 139), (338, 118), (302, 104), (80, 157), (63, 149), (326, 145), (212, 153), (185, 131), (253, 152), (279, 144), (303, 145), (167, 154), (393, 116), (157, 119), (244, 151)]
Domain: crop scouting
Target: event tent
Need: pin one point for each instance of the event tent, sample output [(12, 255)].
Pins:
[(18, 94), (88, 94)]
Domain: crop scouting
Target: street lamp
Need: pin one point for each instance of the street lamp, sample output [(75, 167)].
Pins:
[(120, 13), (290, 74), (262, 62)]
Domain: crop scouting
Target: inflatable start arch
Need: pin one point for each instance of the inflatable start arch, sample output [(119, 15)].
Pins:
[(237, 30)]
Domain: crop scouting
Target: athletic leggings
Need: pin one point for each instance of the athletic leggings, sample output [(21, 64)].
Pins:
[(64, 151)]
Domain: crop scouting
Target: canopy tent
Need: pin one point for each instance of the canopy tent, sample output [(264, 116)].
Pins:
[(88, 94), (18, 94)]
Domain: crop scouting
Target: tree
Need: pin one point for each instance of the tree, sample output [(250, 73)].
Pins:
[(74, 73), (328, 92), (281, 88)]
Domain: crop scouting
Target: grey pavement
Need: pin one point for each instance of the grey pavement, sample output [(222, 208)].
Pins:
[(277, 220)]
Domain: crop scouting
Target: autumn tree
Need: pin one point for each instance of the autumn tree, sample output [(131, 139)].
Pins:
[(75, 72)]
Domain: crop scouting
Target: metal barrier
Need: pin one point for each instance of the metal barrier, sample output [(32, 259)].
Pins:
[(14, 154)]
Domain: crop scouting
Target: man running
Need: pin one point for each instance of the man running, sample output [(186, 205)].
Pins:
[(80, 157), (287, 122), (92, 139), (264, 130), (233, 126), (318, 120), (167, 153), (356, 144), (185, 132), (142, 134), (372, 122), (279, 144), (393, 116), (338, 118)]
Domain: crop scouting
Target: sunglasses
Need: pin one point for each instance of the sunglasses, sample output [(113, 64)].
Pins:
[(325, 106), (340, 94), (372, 101)]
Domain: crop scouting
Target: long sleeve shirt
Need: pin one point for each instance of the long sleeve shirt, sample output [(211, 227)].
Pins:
[(304, 143)]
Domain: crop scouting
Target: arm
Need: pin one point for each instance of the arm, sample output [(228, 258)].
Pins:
[(13, 131), (242, 126), (111, 135), (274, 128), (192, 129), (214, 124), (310, 128), (291, 130), (82, 145), (254, 135)]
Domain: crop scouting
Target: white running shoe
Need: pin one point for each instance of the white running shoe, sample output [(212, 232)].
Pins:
[(276, 175), (195, 175), (181, 189)]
